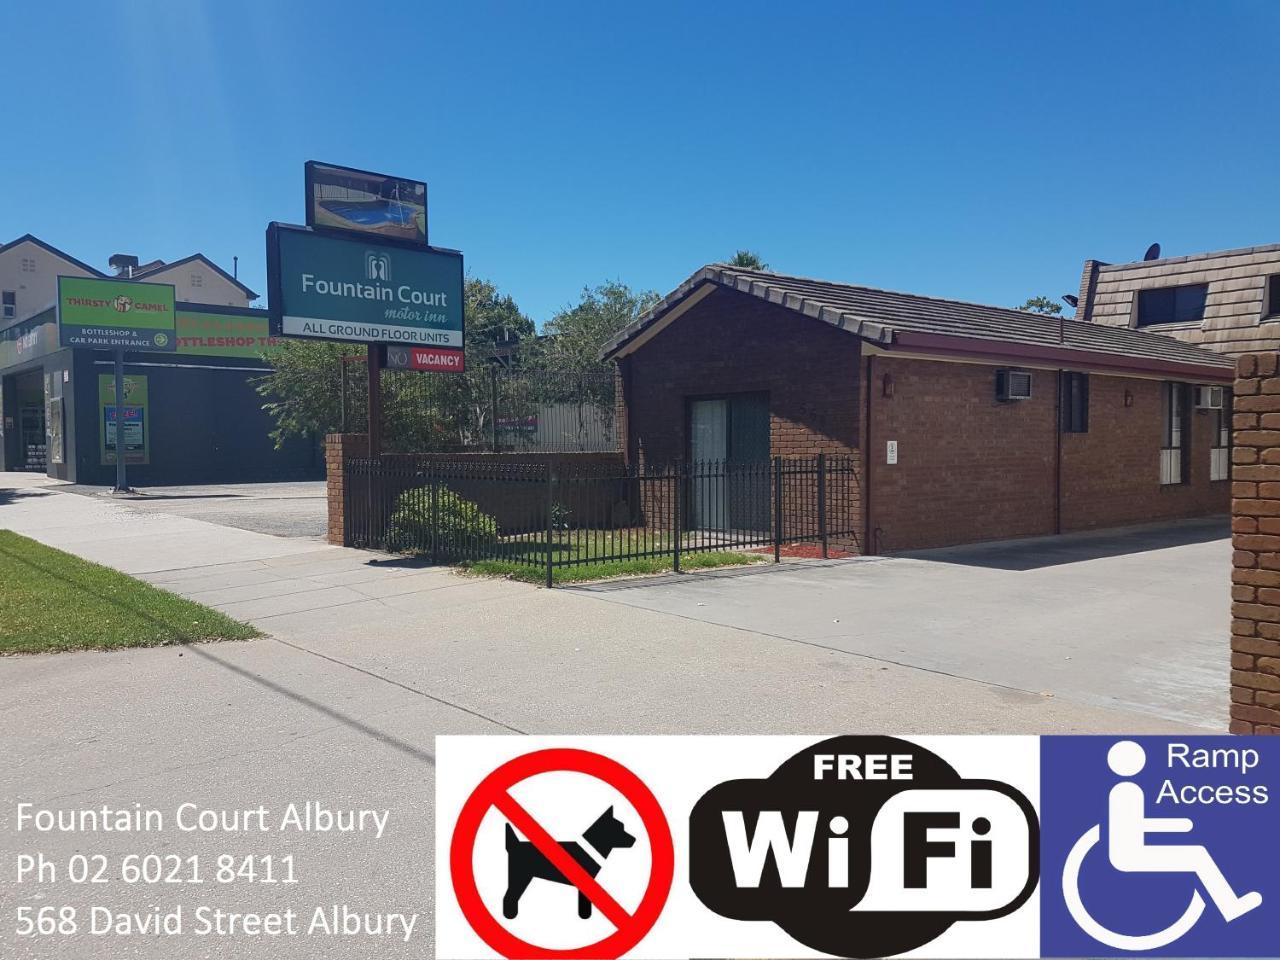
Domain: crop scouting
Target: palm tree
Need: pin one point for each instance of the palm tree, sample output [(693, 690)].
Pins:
[(747, 260)]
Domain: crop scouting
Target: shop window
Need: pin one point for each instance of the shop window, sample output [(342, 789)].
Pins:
[(1220, 452), (1075, 402), (9, 300), (1176, 440), (1172, 304)]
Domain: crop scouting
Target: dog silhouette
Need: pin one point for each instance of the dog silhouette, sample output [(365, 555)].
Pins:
[(525, 862)]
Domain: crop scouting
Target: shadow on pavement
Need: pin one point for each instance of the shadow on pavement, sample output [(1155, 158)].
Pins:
[(11, 494), (715, 573), (1040, 552)]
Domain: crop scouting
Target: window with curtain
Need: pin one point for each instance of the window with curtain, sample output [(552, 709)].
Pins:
[(1174, 444), (1075, 402), (1220, 452), (1172, 304)]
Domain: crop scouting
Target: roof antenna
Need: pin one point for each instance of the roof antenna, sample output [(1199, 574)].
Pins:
[(1153, 252)]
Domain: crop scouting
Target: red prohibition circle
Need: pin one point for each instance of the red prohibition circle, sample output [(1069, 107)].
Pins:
[(496, 784)]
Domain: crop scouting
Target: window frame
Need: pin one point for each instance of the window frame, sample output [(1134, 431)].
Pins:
[(1220, 447), (9, 304), (1073, 402), (1140, 324), (1271, 298), (1175, 434)]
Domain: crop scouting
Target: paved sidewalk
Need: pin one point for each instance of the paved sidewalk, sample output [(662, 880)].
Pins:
[(368, 660)]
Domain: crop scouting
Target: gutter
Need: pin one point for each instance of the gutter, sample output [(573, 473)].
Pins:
[(974, 348)]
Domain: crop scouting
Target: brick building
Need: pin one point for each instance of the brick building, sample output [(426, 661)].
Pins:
[(966, 422), (1227, 300)]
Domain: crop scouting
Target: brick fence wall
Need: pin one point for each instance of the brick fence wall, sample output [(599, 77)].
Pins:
[(1255, 534), (509, 509)]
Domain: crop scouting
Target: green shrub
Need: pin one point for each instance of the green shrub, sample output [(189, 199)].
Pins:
[(459, 523)]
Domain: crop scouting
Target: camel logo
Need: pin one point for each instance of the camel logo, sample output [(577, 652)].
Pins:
[(122, 304), (377, 266)]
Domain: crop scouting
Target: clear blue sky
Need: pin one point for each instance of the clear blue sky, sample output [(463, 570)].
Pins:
[(977, 151)]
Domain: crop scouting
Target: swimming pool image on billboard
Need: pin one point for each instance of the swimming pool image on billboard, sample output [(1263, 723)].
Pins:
[(348, 200)]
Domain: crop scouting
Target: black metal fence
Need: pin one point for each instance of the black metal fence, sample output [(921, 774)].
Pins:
[(544, 516), (486, 409)]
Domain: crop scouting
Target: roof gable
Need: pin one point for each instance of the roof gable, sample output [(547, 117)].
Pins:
[(50, 248), (159, 266), (903, 320)]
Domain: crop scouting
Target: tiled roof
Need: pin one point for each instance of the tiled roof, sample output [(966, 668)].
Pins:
[(884, 316)]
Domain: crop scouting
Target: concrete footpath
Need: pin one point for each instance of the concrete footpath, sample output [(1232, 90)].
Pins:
[(367, 660)]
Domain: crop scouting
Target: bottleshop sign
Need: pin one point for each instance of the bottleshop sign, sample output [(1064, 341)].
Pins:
[(116, 314), (354, 288), (245, 335)]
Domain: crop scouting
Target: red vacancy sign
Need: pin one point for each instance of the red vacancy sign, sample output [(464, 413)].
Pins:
[(425, 358), (495, 791)]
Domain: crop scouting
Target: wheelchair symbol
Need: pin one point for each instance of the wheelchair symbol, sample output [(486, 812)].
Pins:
[(1121, 941), (1128, 827)]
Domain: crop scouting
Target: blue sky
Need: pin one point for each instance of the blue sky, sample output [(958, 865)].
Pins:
[(973, 150)]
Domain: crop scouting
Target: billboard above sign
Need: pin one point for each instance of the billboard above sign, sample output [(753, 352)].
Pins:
[(340, 198), (116, 314), (333, 287)]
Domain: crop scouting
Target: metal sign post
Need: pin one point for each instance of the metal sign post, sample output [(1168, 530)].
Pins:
[(375, 401), (122, 485)]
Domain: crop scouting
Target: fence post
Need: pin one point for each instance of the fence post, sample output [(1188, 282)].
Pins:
[(677, 525), (435, 519), (777, 509), (822, 501), (493, 404), (551, 479)]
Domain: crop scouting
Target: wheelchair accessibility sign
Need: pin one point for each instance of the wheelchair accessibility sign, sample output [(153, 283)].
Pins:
[(1162, 846)]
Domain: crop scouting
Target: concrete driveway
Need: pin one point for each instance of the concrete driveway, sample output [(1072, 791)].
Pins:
[(369, 658), (1135, 619), (285, 509)]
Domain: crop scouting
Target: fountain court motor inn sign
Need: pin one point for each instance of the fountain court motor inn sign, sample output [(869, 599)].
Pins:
[(334, 287)]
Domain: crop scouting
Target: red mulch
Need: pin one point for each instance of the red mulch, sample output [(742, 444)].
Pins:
[(807, 551)]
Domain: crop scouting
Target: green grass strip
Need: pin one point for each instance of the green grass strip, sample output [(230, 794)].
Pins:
[(606, 569), (51, 601)]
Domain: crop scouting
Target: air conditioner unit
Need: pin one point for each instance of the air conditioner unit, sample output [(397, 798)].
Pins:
[(1209, 398), (1013, 385)]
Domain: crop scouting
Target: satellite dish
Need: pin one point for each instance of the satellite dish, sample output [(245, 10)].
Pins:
[(1153, 252), (1071, 300)]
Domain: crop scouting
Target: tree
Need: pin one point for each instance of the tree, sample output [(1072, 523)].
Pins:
[(573, 338), (748, 260), (304, 392), (1045, 305)]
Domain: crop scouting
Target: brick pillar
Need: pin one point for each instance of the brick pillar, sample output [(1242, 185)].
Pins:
[(338, 448), (1255, 535)]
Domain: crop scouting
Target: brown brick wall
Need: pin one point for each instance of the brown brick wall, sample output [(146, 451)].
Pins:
[(732, 342), (1111, 474), (338, 448), (971, 468), (515, 506), (1255, 526)]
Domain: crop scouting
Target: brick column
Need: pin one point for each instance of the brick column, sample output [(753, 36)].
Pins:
[(338, 448), (1255, 535)]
